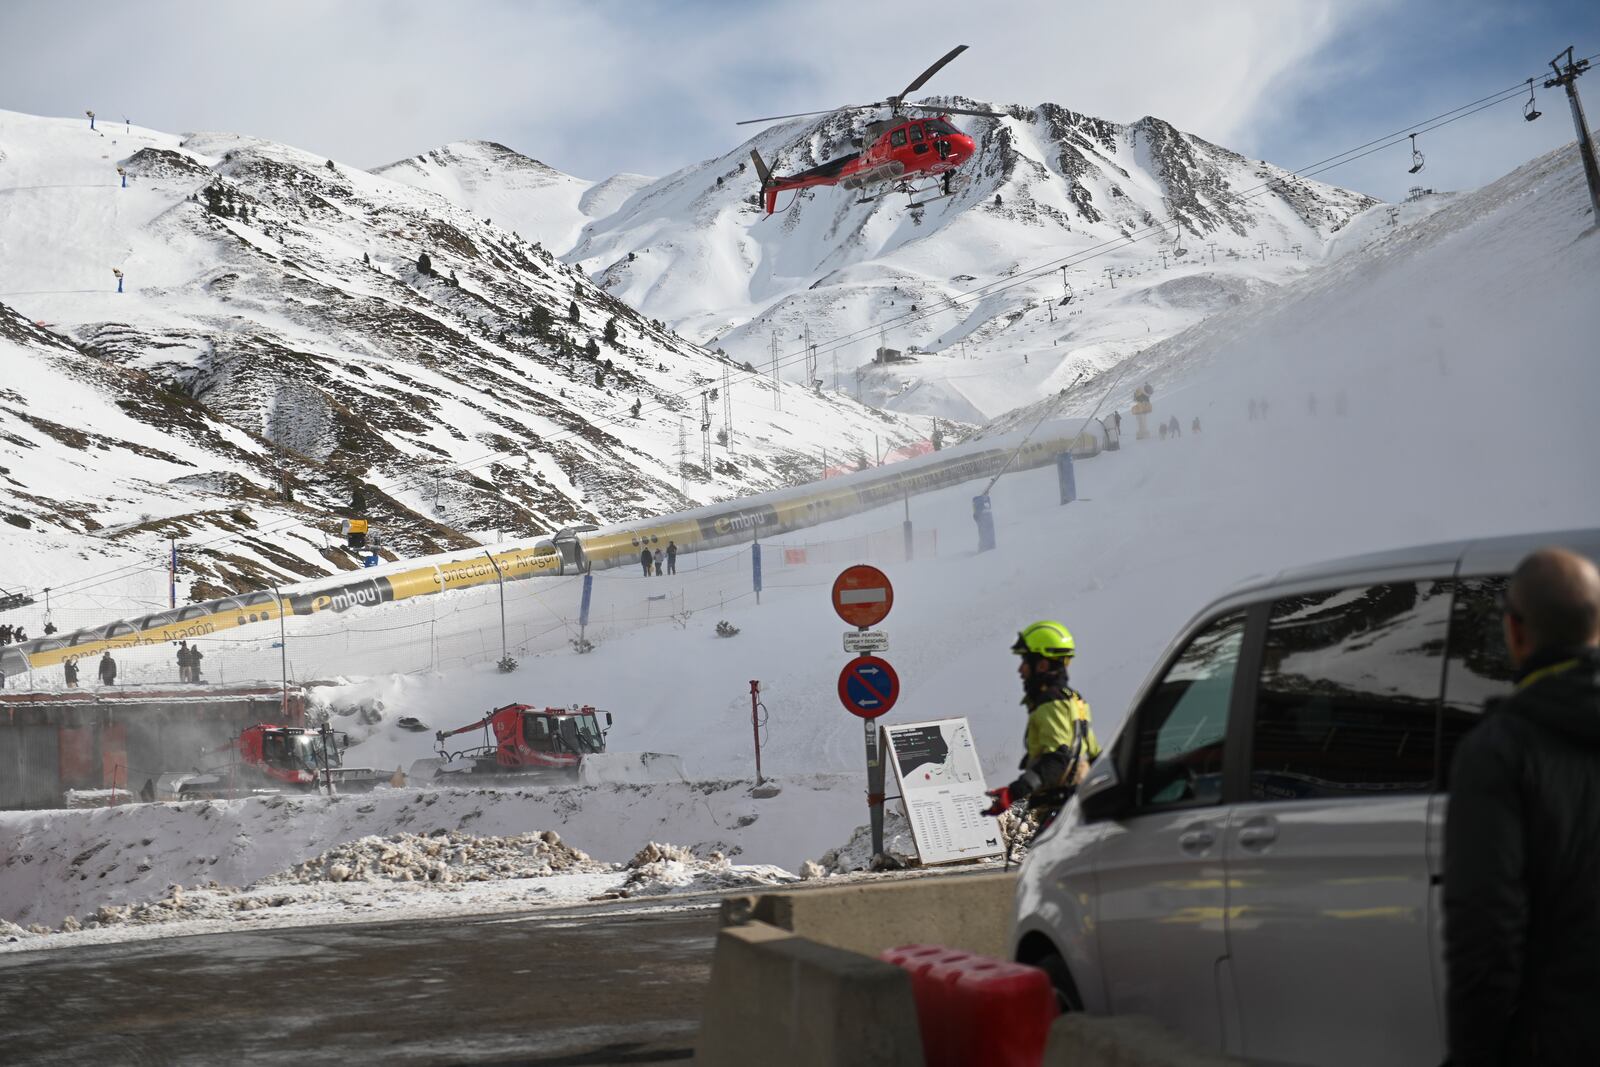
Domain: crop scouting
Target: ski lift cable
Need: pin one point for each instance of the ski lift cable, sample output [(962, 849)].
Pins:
[(1332, 162)]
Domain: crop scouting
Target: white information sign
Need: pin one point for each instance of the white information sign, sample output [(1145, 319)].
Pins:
[(857, 641), (941, 785)]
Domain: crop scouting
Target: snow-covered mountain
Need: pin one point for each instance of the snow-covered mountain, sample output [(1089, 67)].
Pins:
[(1046, 183), (531, 199), (277, 319)]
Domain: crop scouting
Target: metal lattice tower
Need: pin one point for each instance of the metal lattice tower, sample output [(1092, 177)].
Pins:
[(777, 394), (705, 433), (811, 359), (727, 407), (683, 456)]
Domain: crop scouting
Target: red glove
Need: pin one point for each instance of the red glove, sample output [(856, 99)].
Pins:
[(1002, 800)]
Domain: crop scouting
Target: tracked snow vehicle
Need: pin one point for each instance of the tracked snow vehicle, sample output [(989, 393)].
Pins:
[(557, 746), (269, 759)]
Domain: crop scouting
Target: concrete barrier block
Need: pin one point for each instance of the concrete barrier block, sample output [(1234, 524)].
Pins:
[(1122, 1041), (784, 1001), (971, 912)]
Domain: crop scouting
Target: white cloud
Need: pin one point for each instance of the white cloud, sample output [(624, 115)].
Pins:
[(595, 88)]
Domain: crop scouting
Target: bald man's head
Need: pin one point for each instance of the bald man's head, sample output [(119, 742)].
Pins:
[(1555, 597)]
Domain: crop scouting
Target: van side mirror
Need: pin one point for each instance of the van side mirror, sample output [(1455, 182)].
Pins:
[(1103, 794)]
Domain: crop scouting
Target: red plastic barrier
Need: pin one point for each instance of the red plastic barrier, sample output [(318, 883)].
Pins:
[(974, 1009)]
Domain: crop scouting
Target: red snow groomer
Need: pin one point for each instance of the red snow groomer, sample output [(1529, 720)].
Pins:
[(265, 758), (523, 744)]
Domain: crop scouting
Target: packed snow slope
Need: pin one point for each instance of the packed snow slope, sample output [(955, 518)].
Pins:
[(695, 250), (282, 296)]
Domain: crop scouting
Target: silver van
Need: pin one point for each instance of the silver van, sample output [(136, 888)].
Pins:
[(1256, 860)]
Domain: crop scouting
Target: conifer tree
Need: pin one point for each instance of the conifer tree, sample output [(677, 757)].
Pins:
[(591, 349), (572, 312), (611, 330), (424, 264)]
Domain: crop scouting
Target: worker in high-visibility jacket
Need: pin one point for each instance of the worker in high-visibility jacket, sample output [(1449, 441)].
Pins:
[(1060, 739)]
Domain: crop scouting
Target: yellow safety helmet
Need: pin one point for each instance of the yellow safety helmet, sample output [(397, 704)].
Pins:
[(1046, 638)]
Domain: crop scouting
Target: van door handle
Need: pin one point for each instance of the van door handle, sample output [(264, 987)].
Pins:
[(1196, 838), (1258, 833)]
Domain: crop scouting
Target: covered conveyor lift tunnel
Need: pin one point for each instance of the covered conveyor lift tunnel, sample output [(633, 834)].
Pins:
[(575, 549)]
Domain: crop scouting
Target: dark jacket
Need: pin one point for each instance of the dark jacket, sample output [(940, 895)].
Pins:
[(1522, 873)]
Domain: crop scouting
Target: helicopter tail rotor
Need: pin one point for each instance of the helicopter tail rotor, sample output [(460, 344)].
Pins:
[(761, 168)]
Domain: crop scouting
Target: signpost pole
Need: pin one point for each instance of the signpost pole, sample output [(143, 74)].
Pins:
[(875, 786), (868, 686), (755, 723)]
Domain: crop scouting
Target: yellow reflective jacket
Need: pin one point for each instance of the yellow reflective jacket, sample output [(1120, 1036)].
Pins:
[(1052, 727)]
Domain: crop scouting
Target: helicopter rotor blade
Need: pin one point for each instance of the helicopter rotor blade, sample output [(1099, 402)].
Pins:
[(925, 75), (803, 114), (956, 111)]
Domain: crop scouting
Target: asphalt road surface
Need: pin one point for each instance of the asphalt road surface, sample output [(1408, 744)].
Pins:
[(559, 988)]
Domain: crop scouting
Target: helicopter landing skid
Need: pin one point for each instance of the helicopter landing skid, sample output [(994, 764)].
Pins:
[(930, 200)]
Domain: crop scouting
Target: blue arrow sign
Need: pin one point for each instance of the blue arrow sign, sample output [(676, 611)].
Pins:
[(868, 687)]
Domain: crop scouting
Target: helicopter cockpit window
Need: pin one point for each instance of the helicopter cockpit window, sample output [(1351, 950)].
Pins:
[(898, 138), (939, 126), (915, 132)]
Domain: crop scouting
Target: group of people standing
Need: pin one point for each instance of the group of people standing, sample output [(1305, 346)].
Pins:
[(189, 658), (1173, 428), (652, 561)]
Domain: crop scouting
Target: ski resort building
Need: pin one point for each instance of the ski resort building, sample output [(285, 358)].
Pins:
[(111, 741)]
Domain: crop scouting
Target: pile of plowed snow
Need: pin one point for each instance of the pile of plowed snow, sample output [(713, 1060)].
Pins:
[(856, 853), (59, 863), (451, 856), (658, 869), (414, 875)]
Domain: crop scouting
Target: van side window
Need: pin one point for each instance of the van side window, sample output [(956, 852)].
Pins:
[(1349, 695), (1479, 666), (1183, 722)]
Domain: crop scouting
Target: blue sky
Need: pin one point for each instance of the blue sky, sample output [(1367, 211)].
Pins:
[(605, 86)]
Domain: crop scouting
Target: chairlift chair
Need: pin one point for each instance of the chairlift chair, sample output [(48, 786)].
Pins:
[(1530, 110), (1416, 156)]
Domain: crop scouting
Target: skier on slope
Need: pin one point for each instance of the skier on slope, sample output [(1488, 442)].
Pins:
[(1059, 738)]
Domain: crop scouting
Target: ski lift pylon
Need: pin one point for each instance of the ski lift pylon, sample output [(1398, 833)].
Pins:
[(1416, 156), (1530, 110)]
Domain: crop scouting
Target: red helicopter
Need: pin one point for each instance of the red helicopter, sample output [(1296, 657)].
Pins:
[(902, 150)]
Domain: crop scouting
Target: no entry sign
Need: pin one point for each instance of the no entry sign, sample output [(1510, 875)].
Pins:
[(862, 595), (868, 687)]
